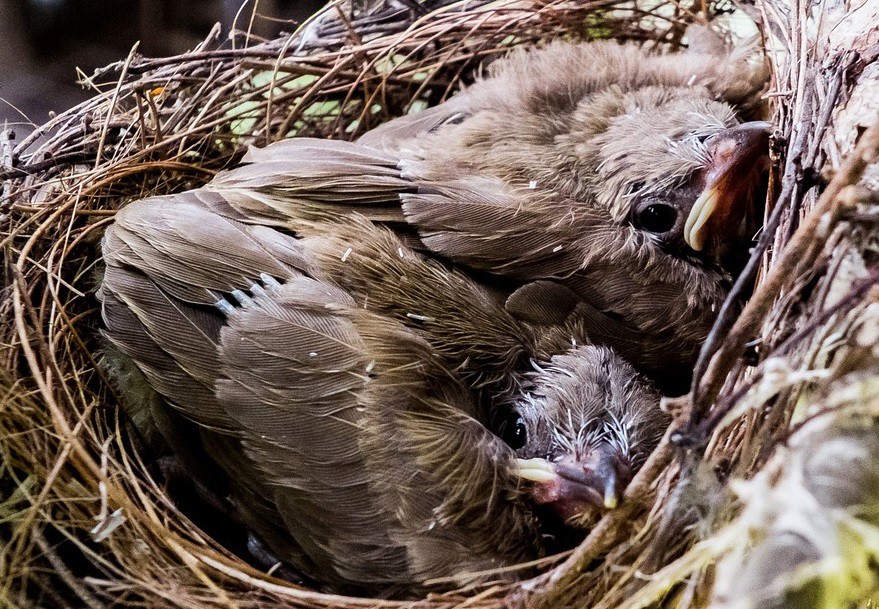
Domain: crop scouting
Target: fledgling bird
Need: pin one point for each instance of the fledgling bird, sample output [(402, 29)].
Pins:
[(334, 320), (598, 184), (348, 445)]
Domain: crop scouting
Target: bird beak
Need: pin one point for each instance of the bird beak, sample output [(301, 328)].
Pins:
[(577, 490), (725, 210)]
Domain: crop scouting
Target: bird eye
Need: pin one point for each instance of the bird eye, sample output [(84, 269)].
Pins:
[(514, 432), (657, 218)]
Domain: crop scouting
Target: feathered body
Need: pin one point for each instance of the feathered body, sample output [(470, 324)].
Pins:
[(543, 177), (350, 330), (351, 445)]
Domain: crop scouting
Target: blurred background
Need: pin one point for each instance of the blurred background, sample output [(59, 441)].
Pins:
[(45, 41)]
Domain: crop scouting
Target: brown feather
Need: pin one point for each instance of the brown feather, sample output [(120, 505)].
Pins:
[(525, 177), (353, 436), (331, 315)]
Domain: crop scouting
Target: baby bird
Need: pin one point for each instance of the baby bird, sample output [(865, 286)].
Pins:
[(377, 351), (347, 437), (594, 184)]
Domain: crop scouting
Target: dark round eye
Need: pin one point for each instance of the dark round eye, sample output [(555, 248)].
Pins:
[(513, 432), (657, 218)]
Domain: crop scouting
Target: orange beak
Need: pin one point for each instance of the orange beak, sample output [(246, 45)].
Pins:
[(578, 489), (725, 212)]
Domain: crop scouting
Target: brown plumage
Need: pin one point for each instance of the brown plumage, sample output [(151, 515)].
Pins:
[(348, 445), (597, 182), (350, 329)]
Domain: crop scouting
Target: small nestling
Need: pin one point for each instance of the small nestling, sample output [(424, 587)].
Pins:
[(383, 355), (590, 422)]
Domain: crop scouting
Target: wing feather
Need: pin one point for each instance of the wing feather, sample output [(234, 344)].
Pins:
[(400, 132), (481, 222), (297, 178)]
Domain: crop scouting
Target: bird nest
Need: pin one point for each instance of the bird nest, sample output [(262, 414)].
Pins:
[(84, 521)]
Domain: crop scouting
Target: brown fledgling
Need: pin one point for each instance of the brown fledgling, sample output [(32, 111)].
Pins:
[(595, 182), (348, 329), (348, 444)]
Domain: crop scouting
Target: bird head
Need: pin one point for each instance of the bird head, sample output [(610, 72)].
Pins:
[(583, 425), (629, 138), (678, 183), (675, 171)]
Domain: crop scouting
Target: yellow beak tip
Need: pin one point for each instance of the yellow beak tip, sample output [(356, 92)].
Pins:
[(695, 226)]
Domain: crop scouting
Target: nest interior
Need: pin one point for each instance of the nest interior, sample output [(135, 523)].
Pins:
[(83, 520)]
